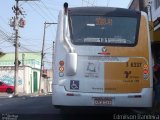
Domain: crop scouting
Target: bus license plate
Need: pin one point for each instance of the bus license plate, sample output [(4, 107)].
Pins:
[(103, 101)]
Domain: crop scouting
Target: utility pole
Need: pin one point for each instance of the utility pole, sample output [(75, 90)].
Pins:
[(53, 57), (16, 48), (42, 55), (17, 22)]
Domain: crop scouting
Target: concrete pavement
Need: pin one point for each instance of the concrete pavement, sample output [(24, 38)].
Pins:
[(6, 95)]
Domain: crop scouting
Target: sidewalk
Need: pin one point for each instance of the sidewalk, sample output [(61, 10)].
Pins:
[(6, 95)]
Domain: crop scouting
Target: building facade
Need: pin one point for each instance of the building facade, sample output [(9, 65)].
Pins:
[(28, 78), (47, 76), (28, 73), (155, 12), (152, 8), (137, 4)]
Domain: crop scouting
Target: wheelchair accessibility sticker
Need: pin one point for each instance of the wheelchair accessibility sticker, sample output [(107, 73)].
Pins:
[(74, 85)]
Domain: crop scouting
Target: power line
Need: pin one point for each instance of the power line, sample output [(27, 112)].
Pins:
[(108, 1), (36, 5), (93, 2), (48, 48), (37, 12), (47, 9), (7, 38), (22, 47), (3, 42), (40, 8), (50, 14), (43, 11), (88, 2), (5, 23)]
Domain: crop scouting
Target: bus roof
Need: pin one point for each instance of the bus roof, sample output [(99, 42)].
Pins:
[(109, 11)]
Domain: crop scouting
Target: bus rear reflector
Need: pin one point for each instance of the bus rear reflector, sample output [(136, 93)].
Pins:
[(70, 94), (104, 53), (61, 69)]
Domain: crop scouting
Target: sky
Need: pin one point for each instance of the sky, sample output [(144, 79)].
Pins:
[(36, 14)]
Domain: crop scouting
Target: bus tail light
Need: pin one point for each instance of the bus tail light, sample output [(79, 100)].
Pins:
[(61, 63), (145, 71), (61, 68)]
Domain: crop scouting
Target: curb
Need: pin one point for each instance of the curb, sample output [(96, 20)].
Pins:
[(23, 96), (5, 95)]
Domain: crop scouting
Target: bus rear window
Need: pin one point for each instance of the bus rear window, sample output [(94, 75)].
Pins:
[(103, 30)]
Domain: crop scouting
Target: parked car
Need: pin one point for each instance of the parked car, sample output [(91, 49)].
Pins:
[(6, 88)]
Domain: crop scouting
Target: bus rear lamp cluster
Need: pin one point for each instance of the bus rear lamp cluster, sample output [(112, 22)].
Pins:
[(145, 71), (61, 68)]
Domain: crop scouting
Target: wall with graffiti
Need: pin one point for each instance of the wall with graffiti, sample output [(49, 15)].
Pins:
[(27, 81), (7, 76)]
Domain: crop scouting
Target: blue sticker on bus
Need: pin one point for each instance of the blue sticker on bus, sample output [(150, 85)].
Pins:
[(74, 85), (146, 76)]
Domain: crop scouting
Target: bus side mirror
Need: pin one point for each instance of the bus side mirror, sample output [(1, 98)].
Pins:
[(71, 64)]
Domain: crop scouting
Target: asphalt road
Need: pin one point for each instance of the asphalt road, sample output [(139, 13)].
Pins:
[(28, 108), (40, 108)]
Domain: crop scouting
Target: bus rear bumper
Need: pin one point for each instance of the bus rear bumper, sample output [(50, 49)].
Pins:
[(61, 97)]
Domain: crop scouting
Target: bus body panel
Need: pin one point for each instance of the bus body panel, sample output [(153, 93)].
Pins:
[(136, 71), (118, 79), (64, 98)]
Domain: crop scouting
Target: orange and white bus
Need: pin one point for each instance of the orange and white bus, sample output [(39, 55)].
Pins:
[(102, 58)]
